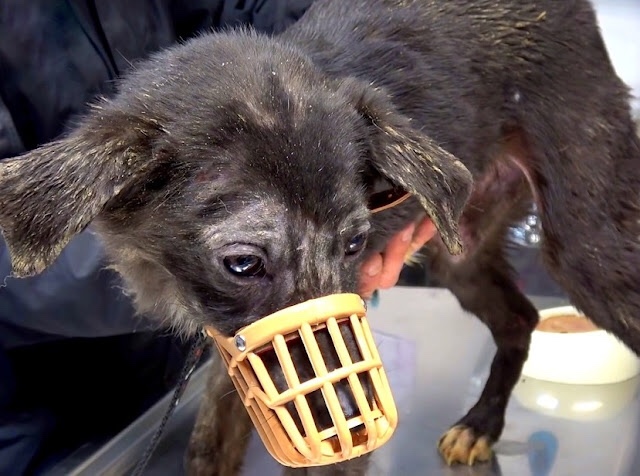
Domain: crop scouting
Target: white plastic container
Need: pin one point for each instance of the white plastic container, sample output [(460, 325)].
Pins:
[(587, 358)]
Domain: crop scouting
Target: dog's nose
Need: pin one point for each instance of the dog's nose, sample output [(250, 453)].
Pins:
[(350, 409), (347, 398), (317, 401), (343, 389)]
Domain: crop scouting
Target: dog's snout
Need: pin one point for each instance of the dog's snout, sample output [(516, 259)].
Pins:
[(347, 398), (318, 400), (344, 390)]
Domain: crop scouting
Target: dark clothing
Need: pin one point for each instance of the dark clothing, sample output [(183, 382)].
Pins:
[(55, 57)]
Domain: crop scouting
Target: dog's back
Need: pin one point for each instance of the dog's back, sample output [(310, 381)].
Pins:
[(516, 90), (463, 70), (524, 94)]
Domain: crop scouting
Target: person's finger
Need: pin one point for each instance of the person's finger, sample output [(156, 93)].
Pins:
[(393, 257), (424, 232), (383, 271), (370, 275)]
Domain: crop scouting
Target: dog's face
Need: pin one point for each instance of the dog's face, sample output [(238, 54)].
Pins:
[(229, 179)]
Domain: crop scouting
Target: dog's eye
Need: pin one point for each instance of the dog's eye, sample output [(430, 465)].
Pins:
[(355, 244), (247, 266)]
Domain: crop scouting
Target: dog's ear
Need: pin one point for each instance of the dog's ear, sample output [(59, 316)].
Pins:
[(52, 193), (411, 160)]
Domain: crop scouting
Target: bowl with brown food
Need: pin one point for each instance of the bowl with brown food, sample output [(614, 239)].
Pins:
[(566, 347)]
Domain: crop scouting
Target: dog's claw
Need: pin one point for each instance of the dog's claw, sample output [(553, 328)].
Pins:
[(461, 445)]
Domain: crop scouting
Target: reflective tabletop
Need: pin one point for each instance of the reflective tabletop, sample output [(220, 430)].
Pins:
[(437, 359)]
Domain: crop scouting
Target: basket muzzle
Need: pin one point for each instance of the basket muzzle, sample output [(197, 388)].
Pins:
[(284, 417)]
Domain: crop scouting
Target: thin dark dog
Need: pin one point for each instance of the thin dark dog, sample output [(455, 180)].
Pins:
[(230, 178)]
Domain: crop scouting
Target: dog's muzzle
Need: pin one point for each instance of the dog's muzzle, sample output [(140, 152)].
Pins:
[(305, 444)]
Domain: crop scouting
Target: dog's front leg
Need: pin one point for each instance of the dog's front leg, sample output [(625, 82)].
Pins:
[(219, 439), (482, 280), (354, 467)]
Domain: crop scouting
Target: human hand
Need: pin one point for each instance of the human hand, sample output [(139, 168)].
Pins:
[(382, 270)]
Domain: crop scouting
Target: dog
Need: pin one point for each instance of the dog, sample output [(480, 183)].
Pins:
[(230, 177)]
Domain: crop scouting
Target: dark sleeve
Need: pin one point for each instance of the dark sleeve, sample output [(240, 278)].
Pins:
[(75, 297), (270, 16), (10, 142)]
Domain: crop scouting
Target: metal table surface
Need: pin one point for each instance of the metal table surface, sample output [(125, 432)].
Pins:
[(437, 358)]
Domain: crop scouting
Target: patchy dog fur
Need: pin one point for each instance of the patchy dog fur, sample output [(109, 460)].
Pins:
[(229, 178)]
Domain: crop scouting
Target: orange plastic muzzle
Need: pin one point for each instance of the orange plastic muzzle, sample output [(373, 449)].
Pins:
[(304, 443)]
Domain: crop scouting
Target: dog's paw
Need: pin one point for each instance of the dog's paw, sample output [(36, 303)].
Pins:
[(461, 444)]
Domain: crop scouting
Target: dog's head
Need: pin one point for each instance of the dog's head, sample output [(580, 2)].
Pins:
[(229, 178)]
